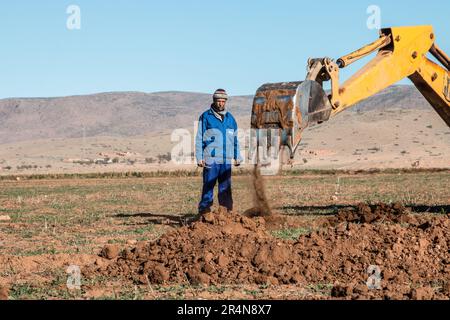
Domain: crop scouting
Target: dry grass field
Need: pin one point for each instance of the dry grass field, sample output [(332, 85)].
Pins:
[(55, 223)]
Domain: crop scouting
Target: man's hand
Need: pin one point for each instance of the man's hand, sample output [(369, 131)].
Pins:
[(201, 163), (237, 162)]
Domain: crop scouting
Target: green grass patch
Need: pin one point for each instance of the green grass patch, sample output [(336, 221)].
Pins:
[(321, 288), (38, 251), (291, 234)]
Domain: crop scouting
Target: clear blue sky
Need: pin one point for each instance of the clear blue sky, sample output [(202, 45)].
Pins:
[(137, 45)]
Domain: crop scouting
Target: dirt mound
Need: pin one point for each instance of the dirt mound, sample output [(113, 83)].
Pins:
[(410, 261), (365, 213)]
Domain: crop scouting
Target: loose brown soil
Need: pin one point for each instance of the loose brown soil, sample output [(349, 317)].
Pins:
[(261, 205), (411, 252)]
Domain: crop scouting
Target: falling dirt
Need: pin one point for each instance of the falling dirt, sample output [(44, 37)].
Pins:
[(261, 205), (411, 254)]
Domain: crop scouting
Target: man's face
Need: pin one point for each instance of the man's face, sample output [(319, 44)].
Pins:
[(220, 104)]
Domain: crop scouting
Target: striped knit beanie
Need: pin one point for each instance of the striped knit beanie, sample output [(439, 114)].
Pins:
[(220, 94)]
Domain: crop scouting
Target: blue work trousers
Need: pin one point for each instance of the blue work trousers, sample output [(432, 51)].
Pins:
[(212, 173)]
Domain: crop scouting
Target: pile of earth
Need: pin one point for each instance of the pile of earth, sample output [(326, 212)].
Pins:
[(222, 248), (365, 213)]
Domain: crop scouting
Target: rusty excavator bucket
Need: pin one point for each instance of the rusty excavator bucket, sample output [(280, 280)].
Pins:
[(284, 110), (281, 111)]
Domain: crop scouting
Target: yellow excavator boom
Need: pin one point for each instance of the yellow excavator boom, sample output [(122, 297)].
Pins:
[(402, 53), (403, 56)]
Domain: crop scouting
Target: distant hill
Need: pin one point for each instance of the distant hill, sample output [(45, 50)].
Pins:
[(136, 113), (404, 97), (117, 113)]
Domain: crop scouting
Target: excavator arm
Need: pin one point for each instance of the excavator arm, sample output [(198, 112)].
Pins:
[(402, 52)]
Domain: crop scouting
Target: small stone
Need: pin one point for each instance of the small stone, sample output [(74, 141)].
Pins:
[(208, 256), (423, 243), (110, 251), (208, 269), (223, 261)]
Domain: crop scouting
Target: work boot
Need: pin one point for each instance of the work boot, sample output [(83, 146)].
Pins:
[(204, 211), (200, 214)]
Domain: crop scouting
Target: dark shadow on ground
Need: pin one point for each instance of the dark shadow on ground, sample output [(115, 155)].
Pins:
[(333, 209), (158, 218), (431, 209), (312, 210)]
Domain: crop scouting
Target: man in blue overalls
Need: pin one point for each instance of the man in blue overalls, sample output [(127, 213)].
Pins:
[(216, 146)]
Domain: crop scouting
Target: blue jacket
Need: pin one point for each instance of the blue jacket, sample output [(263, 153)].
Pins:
[(217, 141)]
